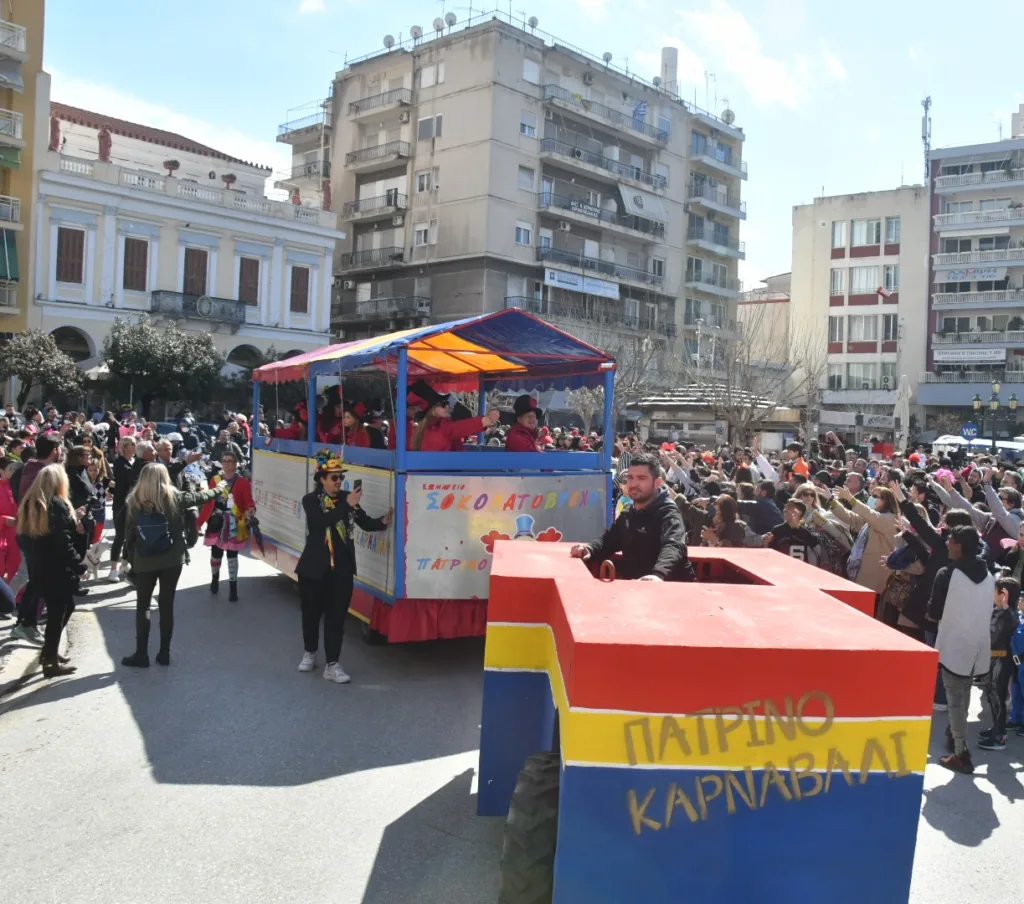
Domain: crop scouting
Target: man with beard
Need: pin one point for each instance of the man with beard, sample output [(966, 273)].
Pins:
[(650, 535)]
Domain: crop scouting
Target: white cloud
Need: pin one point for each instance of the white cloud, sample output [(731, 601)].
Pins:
[(312, 6), (833, 65), (598, 9), (912, 52)]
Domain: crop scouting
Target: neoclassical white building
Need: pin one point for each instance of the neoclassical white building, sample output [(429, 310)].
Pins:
[(135, 219)]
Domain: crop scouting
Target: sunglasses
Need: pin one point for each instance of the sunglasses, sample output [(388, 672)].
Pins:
[(334, 477)]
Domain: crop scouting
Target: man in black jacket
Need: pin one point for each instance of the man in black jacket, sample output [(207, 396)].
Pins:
[(327, 566), (650, 535), (761, 513)]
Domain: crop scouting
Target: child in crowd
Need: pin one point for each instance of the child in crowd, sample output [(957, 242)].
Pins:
[(791, 537), (1003, 625)]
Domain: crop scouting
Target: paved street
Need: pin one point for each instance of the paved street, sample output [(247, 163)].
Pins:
[(230, 777)]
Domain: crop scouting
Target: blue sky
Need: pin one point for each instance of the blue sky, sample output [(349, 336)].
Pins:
[(829, 94)]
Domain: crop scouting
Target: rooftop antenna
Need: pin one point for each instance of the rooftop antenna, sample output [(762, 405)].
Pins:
[(607, 57), (439, 25), (533, 23), (926, 135), (522, 12)]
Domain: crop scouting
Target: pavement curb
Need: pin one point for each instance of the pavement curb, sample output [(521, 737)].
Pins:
[(19, 664)]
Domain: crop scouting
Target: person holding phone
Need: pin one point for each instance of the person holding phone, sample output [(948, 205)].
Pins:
[(327, 566)]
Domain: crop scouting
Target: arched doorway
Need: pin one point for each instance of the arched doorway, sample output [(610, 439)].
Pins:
[(292, 353), (245, 356), (75, 343)]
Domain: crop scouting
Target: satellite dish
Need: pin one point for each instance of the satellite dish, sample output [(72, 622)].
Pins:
[(389, 41), (533, 22), (450, 19), (211, 175), (438, 24), (656, 81), (416, 32), (607, 57), (728, 117)]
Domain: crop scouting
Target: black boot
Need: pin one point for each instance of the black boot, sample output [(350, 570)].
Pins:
[(233, 591), (53, 668), (215, 583), (164, 656), (140, 658)]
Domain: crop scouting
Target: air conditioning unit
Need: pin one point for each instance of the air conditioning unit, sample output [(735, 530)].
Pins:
[(349, 284), (865, 385), (563, 226), (392, 325), (885, 383), (687, 207), (403, 116), (398, 221), (577, 153), (336, 282), (549, 115), (588, 78)]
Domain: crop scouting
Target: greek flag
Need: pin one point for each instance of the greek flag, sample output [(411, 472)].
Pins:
[(640, 111)]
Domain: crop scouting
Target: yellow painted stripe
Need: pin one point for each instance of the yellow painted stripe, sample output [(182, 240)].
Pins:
[(726, 741)]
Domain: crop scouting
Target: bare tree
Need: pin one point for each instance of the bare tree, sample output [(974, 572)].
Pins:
[(945, 423), (586, 402)]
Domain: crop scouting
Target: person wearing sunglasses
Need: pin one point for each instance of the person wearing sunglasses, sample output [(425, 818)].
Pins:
[(327, 566)]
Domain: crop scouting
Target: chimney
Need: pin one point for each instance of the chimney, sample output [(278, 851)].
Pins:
[(1017, 123), (670, 70)]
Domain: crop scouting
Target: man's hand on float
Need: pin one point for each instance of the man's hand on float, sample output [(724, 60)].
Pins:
[(580, 551)]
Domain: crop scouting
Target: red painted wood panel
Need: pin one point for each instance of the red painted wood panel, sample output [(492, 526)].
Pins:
[(838, 252), (865, 251), (871, 298), (835, 348), (893, 249), (892, 299), (888, 346), (836, 301), (861, 347)]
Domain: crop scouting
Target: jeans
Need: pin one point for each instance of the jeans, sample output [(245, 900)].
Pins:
[(145, 584), (940, 688), (328, 597), (996, 691), (958, 695), (7, 604), (59, 607), (28, 608), (115, 548)]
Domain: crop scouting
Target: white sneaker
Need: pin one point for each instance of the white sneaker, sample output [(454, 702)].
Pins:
[(308, 662), (334, 672), (114, 577)]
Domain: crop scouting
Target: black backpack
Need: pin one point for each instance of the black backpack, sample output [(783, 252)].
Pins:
[(152, 533)]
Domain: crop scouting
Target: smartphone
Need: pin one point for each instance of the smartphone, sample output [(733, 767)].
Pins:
[(357, 485)]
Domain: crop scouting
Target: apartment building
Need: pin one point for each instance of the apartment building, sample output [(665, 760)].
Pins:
[(132, 219), (24, 89), (493, 166), (976, 272), (763, 319), (858, 307)]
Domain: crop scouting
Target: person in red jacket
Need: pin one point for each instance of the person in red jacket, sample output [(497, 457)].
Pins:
[(412, 411), (523, 435), (355, 434), (437, 432)]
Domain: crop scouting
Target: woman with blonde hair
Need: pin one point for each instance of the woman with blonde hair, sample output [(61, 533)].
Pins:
[(156, 549), (48, 522)]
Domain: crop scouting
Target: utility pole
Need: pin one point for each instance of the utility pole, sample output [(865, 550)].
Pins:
[(926, 135)]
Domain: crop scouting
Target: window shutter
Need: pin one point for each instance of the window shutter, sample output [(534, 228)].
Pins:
[(300, 290)]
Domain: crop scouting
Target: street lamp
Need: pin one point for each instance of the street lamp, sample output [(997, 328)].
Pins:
[(993, 407)]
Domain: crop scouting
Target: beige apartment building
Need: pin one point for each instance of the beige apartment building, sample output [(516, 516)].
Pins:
[(858, 306), (492, 166)]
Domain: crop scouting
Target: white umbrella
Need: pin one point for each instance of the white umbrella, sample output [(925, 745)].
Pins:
[(902, 414)]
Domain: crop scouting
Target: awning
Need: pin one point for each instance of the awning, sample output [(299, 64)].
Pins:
[(10, 75), (9, 271), (10, 158), (642, 203)]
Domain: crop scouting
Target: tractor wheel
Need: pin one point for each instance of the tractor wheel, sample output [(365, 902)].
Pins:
[(531, 830), (371, 637)]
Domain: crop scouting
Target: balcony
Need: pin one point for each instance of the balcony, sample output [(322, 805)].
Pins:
[(580, 261), (12, 126), (9, 298), (1002, 298), (381, 207), (377, 104), (178, 305), (716, 122), (1009, 257), (13, 41), (717, 199), (307, 175), (712, 325), (712, 241), (574, 314), (988, 338), (304, 130), (719, 157), (723, 286), (603, 167), (590, 110), (1003, 178), (960, 387), (974, 376), (10, 212), (971, 219), (867, 392), (579, 210), (372, 257), (378, 157), (383, 309)]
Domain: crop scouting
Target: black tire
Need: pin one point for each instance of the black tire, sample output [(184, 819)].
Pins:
[(531, 831), (371, 637)]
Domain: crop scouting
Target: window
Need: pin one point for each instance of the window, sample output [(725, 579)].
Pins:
[(194, 282), (528, 124), (664, 124), (994, 204), (658, 266), (835, 329), (861, 376), (526, 178), (422, 181), (432, 75), (993, 243), (593, 198), (959, 206), (837, 282), (892, 230), (531, 72), (70, 255), (892, 277), (835, 376), (544, 237), (890, 328), (300, 290), (867, 232), (839, 234), (425, 234), (523, 233), (956, 246), (863, 280), (863, 328), (249, 280), (429, 127), (698, 144), (136, 265), (694, 269)]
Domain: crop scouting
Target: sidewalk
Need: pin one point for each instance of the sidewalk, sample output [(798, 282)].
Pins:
[(19, 662)]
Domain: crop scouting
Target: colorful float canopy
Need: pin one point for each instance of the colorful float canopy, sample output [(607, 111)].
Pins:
[(503, 344)]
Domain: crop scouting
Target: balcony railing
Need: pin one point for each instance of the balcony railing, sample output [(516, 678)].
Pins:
[(970, 217), (317, 169), (615, 117), (10, 209), (390, 201), (718, 196), (374, 257), (197, 307), (608, 268), (384, 308), (11, 125), (306, 122), (981, 298), (397, 96), (13, 37), (973, 376), (1010, 337), (979, 257), (717, 282), (607, 316), (718, 153), (991, 178), (623, 170), (378, 152), (549, 200), (8, 297), (710, 323), (696, 234)]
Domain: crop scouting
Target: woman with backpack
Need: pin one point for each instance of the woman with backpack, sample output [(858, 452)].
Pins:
[(156, 548), (226, 519)]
